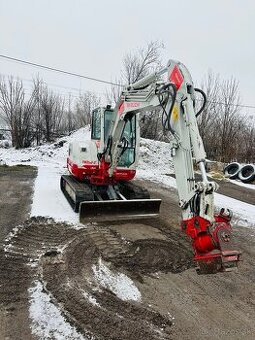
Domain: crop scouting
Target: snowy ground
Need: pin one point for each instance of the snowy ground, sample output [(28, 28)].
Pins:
[(47, 320), (155, 164), (118, 283)]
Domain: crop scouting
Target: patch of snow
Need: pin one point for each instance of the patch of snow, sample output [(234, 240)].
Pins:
[(47, 320), (91, 299), (33, 263), (13, 233), (241, 184), (8, 247), (48, 199), (118, 283), (244, 213), (9, 238)]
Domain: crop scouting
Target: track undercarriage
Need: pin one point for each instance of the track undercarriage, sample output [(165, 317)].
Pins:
[(96, 203)]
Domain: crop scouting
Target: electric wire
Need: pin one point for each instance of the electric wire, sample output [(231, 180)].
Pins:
[(101, 80), (49, 68), (50, 85)]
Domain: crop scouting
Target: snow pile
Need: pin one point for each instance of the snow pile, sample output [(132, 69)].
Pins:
[(55, 153), (156, 157), (243, 213), (47, 321), (5, 143), (119, 283)]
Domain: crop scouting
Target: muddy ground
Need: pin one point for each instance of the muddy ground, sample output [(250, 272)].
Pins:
[(16, 189), (154, 253)]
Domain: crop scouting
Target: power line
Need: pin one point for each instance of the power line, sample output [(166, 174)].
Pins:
[(58, 70), (221, 103), (238, 105), (99, 80), (59, 86)]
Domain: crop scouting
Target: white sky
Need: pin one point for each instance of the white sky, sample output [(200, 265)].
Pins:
[(91, 38)]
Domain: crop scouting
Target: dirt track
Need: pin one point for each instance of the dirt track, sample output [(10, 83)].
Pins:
[(155, 254), (15, 199)]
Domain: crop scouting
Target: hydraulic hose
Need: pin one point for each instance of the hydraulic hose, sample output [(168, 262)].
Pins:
[(204, 101)]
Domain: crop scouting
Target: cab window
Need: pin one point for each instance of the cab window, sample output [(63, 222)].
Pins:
[(128, 157), (109, 118), (96, 125)]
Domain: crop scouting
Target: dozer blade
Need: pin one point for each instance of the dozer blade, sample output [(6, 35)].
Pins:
[(93, 211)]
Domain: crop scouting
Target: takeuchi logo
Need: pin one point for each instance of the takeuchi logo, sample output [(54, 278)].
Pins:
[(132, 104), (127, 105)]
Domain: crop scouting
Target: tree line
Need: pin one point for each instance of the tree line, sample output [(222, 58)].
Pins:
[(43, 115), (227, 130)]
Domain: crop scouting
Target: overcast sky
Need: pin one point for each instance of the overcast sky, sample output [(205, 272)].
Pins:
[(91, 38)]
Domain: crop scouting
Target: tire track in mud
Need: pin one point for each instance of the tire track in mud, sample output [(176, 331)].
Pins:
[(63, 258)]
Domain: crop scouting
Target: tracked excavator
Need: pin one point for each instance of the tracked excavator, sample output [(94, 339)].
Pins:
[(99, 185)]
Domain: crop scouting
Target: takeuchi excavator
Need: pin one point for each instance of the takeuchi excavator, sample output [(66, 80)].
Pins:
[(101, 170)]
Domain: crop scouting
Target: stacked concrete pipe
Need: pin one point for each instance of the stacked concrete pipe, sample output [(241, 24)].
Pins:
[(246, 173)]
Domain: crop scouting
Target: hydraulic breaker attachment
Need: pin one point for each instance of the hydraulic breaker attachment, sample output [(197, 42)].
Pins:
[(112, 210), (212, 244)]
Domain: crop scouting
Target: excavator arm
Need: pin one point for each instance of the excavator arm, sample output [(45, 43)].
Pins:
[(172, 89)]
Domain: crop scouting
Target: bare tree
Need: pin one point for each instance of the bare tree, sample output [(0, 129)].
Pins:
[(229, 122), (140, 63), (85, 104), (17, 111), (246, 145), (25, 127), (136, 65), (51, 111), (211, 86), (70, 120), (11, 99), (220, 122)]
